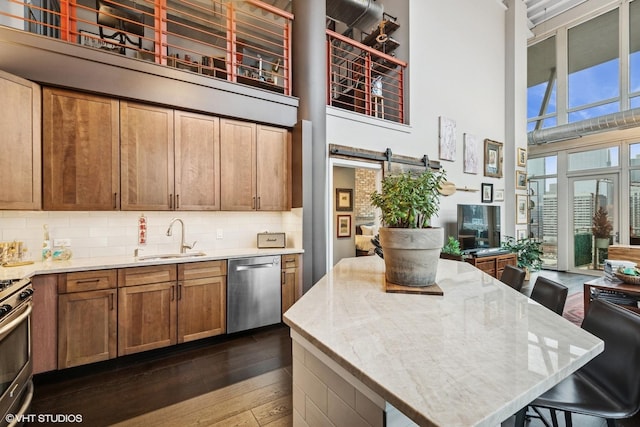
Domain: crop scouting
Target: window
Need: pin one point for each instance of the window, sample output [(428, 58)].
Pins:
[(634, 194), (634, 50), (594, 81), (543, 205), (541, 84), (594, 159)]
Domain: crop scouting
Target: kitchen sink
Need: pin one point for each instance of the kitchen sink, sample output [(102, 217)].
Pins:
[(169, 256)]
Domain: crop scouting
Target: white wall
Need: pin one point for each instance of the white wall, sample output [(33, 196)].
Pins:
[(97, 234), (457, 70)]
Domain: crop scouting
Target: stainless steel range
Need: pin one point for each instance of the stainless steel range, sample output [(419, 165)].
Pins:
[(16, 371)]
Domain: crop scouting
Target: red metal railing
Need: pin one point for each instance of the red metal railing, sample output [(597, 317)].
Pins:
[(246, 42), (363, 79)]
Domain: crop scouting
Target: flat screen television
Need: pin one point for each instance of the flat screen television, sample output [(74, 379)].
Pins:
[(478, 227)]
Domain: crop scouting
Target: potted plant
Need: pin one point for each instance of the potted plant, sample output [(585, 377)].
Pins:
[(528, 252), (451, 249), (410, 245), (602, 228)]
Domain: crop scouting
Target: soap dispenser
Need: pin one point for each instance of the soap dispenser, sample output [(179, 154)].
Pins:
[(46, 245)]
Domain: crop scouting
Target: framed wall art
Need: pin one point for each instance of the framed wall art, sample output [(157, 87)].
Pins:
[(447, 139), (492, 158), (522, 157), (522, 213), (470, 153), (521, 180), (344, 226), (344, 199), (498, 195), (521, 233), (487, 193)]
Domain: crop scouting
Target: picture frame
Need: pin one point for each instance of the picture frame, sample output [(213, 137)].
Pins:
[(522, 211), (521, 233), (522, 157), (344, 226), (521, 180), (492, 158), (470, 151), (447, 139), (487, 192), (498, 195), (344, 199)]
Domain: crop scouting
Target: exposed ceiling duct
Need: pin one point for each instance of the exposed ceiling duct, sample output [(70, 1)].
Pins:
[(622, 120), (360, 14)]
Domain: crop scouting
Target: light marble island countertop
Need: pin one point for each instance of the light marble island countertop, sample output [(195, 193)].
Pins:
[(472, 357), (101, 263)]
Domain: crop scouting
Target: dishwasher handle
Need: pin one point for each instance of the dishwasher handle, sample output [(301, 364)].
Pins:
[(254, 266)]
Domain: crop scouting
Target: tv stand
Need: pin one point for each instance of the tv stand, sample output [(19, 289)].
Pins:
[(493, 265)]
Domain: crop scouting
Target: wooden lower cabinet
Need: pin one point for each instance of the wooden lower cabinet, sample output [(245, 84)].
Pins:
[(87, 317), (202, 300), (146, 317), (146, 308), (44, 321), (493, 265), (291, 280)]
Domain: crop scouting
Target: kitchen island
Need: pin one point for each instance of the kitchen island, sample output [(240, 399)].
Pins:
[(472, 357)]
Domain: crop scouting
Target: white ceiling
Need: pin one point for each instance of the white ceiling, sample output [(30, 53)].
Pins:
[(539, 11)]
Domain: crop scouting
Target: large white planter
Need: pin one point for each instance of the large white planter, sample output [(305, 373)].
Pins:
[(411, 254), (602, 242)]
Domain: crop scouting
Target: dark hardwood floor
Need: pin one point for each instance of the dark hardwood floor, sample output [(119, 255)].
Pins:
[(117, 390)]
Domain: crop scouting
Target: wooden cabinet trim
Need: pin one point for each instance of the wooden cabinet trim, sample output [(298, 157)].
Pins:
[(135, 276), (198, 270), (87, 281)]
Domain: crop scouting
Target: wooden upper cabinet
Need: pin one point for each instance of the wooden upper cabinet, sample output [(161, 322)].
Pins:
[(197, 161), (20, 162), (273, 168), (255, 167), (147, 163), (237, 165), (81, 151)]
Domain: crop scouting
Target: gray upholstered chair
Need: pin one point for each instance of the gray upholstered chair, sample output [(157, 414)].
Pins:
[(609, 385), (550, 294), (513, 276)]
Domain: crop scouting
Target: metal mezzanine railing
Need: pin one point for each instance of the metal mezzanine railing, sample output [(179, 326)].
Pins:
[(364, 80), (246, 42)]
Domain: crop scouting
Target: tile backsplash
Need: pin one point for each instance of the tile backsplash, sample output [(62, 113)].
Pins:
[(98, 234)]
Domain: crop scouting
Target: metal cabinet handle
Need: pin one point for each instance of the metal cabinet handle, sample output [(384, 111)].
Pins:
[(177, 201), (170, 201), (115, 200)]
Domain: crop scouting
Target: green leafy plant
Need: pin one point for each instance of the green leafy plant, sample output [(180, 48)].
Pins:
[(452, 247), (528, 252), (409, 200), (602, 227)]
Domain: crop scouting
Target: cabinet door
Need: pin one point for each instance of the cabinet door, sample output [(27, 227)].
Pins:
[(20, 162), (201, 308), (197, 154), (291, 281), (146, 150), (87, 327), (44, 321), (81, 166), (146, 317), (237, 165), (273, 168)]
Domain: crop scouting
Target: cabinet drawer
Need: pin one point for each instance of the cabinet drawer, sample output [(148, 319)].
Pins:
[(147, 275), (198, 270), (87, 281), (503, 262), (289, 261)]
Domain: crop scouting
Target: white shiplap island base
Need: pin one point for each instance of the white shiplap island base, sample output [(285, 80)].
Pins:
[(472, 357)]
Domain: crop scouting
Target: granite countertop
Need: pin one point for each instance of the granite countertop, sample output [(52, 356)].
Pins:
[(472, 357), (101, 263)]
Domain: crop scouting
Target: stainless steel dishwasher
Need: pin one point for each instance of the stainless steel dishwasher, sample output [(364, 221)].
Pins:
[(253, 292)]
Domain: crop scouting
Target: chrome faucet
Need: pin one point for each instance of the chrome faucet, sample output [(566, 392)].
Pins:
[(183, 246)]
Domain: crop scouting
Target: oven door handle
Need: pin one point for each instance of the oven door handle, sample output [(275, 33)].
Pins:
[(15, 322), (25, 406)]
